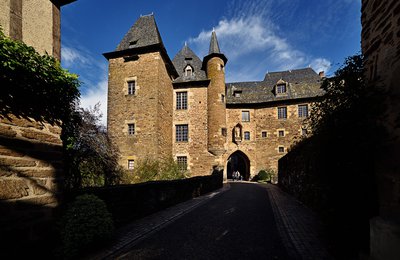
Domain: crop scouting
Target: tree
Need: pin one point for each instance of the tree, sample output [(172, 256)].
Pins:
[(92, 159)]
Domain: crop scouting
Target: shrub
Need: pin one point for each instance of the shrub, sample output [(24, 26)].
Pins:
[(86, 221), (265, 175)]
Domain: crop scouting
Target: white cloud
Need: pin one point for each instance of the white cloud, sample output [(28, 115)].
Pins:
[(96, 94), (251, 39), (69, 56), (320, 64)]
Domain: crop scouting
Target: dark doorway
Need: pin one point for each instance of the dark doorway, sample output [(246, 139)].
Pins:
[(238, 161)]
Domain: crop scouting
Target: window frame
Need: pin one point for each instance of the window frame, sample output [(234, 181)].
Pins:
[(181, 100), (246, 135), (281, 88), (131, 87), (187, 69), (264, 132), (131, 164), (182, 162), (131, 129), (244, 119), (300, 112), (181, 133), (281, 133), (279, 149), (284, 115)]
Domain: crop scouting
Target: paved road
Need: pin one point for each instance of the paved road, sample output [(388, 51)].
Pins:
[(238, 224)]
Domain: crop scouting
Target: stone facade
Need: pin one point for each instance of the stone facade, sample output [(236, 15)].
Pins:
[(380, 42), (198, 103), (35, 22)]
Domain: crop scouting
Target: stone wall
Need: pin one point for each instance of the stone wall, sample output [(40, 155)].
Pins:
[(30, 180), (129, 202), (380, 41), (35, 22), (263, 152), (150, 108), (200, 161)]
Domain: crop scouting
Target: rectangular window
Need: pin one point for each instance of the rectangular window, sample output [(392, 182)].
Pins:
[(282, 112), (182, 163), (131, 87), (281, 149), (245, 116), (181, 100), (237, 93), (264, 134), (246, 135), (303, 110), (131, 129), (223, 131), (281, 133), (222, 98), (131, 164), (281, 89), (182, 133)]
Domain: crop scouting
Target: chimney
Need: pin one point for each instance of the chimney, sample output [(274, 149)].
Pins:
[(321, 74)]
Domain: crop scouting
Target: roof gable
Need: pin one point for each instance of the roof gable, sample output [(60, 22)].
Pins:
[(187, 57)]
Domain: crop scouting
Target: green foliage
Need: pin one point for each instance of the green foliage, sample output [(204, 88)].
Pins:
[(149, 169), (265, 175), (92, 159), (34, 85), (87, 221)]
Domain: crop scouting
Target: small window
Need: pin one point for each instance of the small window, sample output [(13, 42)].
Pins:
[(237, 93), (264, 134), (131, 87), (188, 71), (281, 149), (223, 131), (131, 129), (303, 110), (222, 98), (304, 132), (282, 112), (131, 164), (181, 100), (281, 88), (245, 116), (281, 133), (182, 162), (246, 135), (182, 133)]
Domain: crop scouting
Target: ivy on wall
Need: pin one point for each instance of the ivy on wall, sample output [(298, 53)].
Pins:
[(34, 85)]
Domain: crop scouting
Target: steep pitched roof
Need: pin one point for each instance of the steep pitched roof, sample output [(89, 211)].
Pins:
[(187, 57), (214, 46), (213, 51), (301, 83), (143, 33)]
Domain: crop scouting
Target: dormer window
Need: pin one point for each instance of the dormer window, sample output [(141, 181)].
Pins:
[(188, 71), (281, 89), (237, 93)]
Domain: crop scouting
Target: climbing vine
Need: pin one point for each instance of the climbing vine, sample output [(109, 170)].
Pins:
[(34, 85)]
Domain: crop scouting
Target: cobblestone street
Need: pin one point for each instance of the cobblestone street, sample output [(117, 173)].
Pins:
[(255, 221)]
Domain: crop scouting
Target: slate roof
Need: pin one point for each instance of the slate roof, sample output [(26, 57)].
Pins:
[(142, 34), (301, 83), (214, 46), (187, 57)]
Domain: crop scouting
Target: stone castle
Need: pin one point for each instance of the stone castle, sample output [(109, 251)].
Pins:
[(158, 107)]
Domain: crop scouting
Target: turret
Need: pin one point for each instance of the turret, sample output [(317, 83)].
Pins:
[(214, 65)]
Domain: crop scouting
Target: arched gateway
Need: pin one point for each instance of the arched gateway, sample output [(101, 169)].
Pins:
[(238, 161)]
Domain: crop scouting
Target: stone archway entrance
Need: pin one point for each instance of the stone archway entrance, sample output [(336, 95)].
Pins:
[(238, 161)]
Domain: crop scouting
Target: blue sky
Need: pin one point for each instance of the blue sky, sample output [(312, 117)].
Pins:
[(257, 36)]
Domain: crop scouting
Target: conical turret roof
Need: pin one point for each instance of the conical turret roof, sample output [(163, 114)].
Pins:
[(214, 51), (214, 46)]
